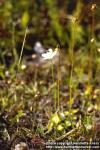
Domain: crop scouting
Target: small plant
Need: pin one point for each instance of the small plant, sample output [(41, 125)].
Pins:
[(62, 121), (51, 95), (50, 55)]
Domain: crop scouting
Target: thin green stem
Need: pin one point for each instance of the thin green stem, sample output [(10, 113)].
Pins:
[(72, 63), (91, 47), (55, 102), (22, 47), (70, 90), (58, 84), (92, 51)]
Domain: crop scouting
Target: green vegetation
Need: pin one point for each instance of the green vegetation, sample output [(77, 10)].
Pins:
[(53, 96)]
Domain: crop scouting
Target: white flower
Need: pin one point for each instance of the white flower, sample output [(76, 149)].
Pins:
[(50, 54)]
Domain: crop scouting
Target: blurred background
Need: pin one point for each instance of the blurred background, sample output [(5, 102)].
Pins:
[(48, 21)]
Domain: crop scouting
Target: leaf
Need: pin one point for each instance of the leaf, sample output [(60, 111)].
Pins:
[(60, 127), (49, 127), (55, 118), (68, 123)]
